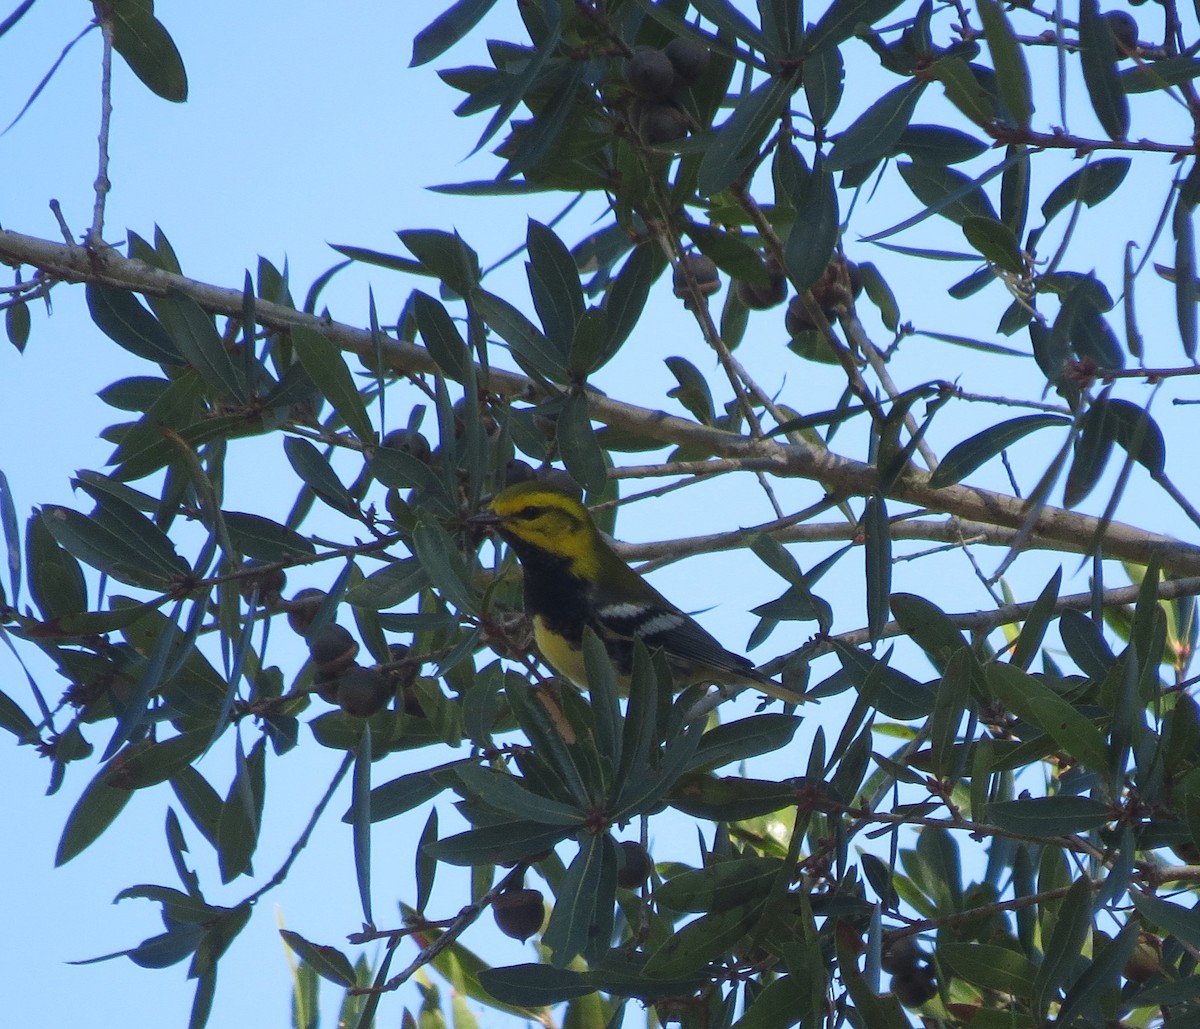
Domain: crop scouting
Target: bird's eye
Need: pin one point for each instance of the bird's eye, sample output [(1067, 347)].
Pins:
[(528, 514)]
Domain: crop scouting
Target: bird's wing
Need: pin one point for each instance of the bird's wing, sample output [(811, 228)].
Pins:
[(659, 623)]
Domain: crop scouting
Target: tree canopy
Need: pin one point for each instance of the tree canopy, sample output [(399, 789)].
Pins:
[(986, 812)]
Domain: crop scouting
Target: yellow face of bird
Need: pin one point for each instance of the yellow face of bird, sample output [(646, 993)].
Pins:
[(551, 520)]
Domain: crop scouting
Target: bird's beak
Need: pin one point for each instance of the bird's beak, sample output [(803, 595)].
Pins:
[(484, 519)]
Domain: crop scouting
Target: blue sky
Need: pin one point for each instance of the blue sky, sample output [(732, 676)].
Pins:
[(305, 128)]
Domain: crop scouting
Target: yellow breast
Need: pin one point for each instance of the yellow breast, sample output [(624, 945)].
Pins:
[(559, 654)]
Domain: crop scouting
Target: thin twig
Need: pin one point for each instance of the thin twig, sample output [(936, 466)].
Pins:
[(985, 621), (302, 842), (95, 235), (63, 227)]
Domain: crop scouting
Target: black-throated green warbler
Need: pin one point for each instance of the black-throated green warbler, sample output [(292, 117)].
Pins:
[(574, 579)]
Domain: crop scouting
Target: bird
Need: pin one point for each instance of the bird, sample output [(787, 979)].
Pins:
[(574, 579)]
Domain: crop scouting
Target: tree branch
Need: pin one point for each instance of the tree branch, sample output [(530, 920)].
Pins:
[(1053, 528)]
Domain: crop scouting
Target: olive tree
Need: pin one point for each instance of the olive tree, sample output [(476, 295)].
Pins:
[(993, 817)]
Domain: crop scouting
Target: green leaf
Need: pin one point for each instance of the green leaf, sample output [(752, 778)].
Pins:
[(439, 555), (55, 578), (1012, 74), (16, 721), (447, 29), (553, 284), (731, 252), (1101, 975), (929, 628), (1036, 623), (1071, 930), (95, 810), (328, 962), (692, 392), (736, 142), (446, 256), (721, 886), (264, 540), (327, 369), (442, 338), (192, 331), (505, 794), (390, 586), (743, 739), (877, 130), (536, 986), (504, 843), (1092, 450), (1098, 55), (727, 17), (947, 192), (17, 323), (148, 49), (529, 347), (1155, 75), (403, 794), (1185, 275), (841, 21), (706, 939), (880, 294), (627, 295), (127, 323), (1048, 817), (200, 801), (582, 920), (523, 79), (1106, 422), (964, 90), (1182, 923), (393, 262), (824, 82), (316, 472), (1031, 700), (241, 814), (996, 242), (938, 144), (119, 541), (1090, 185), (729, 798), (989, 966), (970, 454), (158, 762), (577, 444), (814, 233), (878, 556)]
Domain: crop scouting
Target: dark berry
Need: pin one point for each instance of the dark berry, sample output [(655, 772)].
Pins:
[(303, 608), (332, 649), (650, 73), (758, 296), (408, 441), (269, 584), (635, 866), (519, 913), (362, 692), (661, 123), (1146, 960), (901, 955), (518, 471), (704, 272), (560, 479), (797, 319), (914, 987), (1124, 30), (689, 58)]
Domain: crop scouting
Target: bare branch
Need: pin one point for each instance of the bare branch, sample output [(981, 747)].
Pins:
[(1053, 527)]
